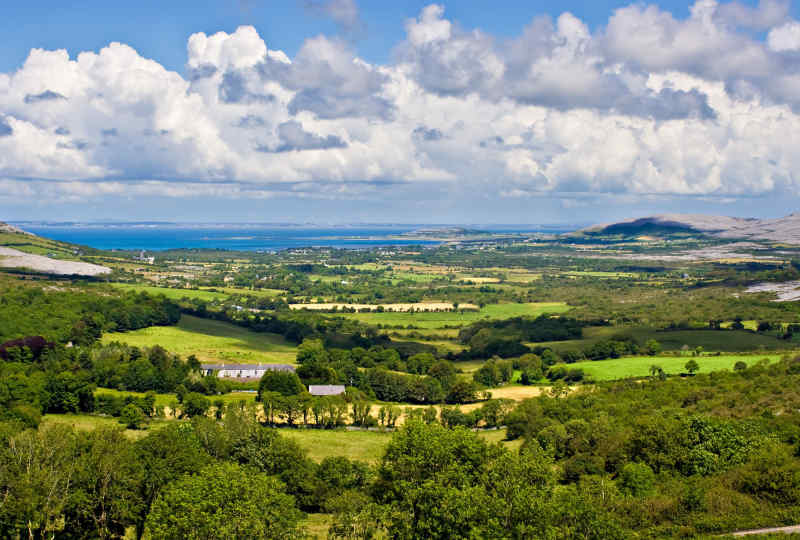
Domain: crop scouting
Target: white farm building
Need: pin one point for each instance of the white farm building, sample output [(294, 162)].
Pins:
[(242, 371)]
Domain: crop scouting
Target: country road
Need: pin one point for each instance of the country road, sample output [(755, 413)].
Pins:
[(792, 529)]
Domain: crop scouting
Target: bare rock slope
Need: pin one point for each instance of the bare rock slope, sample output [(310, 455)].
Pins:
[(6, 228), (14, 258), (783, 230)]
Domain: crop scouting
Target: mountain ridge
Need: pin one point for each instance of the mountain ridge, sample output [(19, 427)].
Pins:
[(782, 230)]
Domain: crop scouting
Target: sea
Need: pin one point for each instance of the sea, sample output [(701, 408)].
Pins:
[(242, 237)]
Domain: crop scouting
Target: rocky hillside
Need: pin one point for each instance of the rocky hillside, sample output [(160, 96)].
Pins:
[(783, 230), (6, 228), (23, 250)]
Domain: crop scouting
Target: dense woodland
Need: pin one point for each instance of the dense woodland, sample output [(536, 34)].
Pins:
[(655, 459)]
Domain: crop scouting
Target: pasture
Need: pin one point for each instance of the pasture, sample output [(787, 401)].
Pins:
[(408, 307), (211, 341), (88, 422), (675, 340), (439, 320), (172, 294), (231, 291), (365, 446), (639, 366)]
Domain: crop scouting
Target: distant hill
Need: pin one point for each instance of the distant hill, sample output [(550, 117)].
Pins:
[(6, 228), (782, 230)]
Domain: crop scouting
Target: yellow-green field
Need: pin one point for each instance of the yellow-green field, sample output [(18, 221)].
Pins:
[(174, 294), (166, 399), (88, 422), (362, 445), (211, 341), (261, 293), (639, 366), (439, 320)]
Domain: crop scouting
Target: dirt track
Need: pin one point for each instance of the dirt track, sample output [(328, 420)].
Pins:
[(792, 529)]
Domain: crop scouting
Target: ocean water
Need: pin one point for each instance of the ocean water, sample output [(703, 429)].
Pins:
[(155, 237)]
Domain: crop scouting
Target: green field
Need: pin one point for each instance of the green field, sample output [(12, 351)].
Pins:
[(639, 366), (321, 443), (229, 291), (439, 320), (36, 245), (210, 340), (362, 445), (166, 399), (87, 422), (674, 340), (174, 294)]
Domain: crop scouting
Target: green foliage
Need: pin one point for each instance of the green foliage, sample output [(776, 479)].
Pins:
[(637, 479), (224, 501), (195, 404), (286, 383), (77, 315), (131, 416)]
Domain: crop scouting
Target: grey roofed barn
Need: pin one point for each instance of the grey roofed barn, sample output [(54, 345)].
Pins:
[(326, 389)]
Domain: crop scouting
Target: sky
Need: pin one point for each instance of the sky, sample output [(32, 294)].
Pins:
[(347, 111)]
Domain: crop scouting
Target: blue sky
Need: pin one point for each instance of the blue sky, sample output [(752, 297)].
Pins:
[(159, 29), (367, 111)]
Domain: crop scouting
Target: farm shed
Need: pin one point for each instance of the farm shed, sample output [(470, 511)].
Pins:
[(326, 389)]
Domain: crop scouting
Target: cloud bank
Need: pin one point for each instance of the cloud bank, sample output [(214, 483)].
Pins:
[(646, 105)]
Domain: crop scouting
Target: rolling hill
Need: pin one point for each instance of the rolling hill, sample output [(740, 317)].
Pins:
[(780, 230)]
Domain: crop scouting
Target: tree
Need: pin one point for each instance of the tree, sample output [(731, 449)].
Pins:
[(444, 372), (286, 383), (312, 351), (739, 366), (166, 455), (131, 416), (105, 498), (195, 404), (657, 372), (36, 474), (637, 479), (692, 366), (224, 501), (652, 347)]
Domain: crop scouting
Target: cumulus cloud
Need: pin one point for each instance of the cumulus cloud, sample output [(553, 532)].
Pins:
[(343, 12), (5, 128), (47, 95), (648, 104), (785, 37), (292, 137)]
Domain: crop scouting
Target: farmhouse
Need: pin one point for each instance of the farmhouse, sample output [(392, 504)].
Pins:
[(242, 371), (326, 389)]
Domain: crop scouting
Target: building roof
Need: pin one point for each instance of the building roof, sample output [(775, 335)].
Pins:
[(326, 389), (263, 367)]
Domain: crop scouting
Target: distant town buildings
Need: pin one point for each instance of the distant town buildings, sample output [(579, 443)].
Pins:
[(141, 257)]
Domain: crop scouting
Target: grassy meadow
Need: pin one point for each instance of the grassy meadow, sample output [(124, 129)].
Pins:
[(639, 366), (439, 320), (211, 341), (674, 340), (362, 445), (173, 294)]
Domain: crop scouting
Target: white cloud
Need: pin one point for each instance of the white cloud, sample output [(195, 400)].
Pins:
[(649, 105), (785, 37)]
